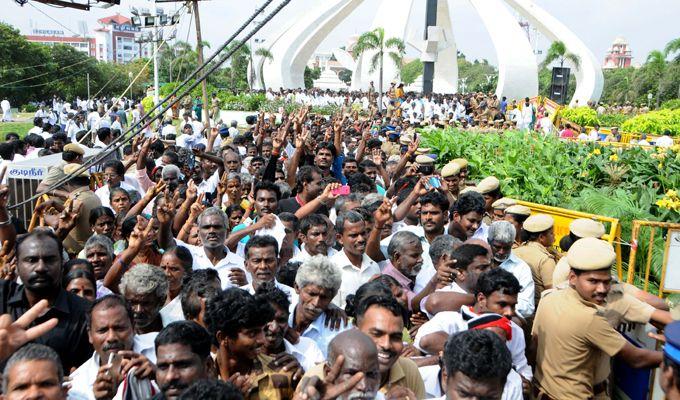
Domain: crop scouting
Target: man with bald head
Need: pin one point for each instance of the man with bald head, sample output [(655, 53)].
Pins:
[(351, 371)]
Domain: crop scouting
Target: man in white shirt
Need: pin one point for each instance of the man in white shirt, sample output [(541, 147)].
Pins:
[(501, 238), (665, 140), (594, 134), (497, 293), (262, 252), (6, 110), (316, 283), (314, 238), (212, 229), (111, 332), (357, 268), (305, 350)]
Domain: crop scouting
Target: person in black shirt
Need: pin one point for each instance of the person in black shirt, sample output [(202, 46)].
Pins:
[(39, 261), (308, 185)]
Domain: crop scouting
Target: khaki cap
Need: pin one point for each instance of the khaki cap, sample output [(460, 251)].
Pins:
[(503, 203), (424, 160), (450, 169), (488, 184), (423, 150), (469, 189), (518, 209), (586, 228), (591, 254), (73, 167), (74, 148), (463, 163), (405, 139), (394, 158), (538, 223)]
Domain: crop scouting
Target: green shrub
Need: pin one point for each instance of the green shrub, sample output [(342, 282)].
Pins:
[(654, 122), (29, 108), (584, 116), (147, 103), (611, 120), (671, 104)]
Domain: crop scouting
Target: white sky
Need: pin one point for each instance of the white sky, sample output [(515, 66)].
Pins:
[(646, 24)]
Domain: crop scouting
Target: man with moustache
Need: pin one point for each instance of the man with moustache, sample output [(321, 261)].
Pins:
[(111, 331), (182, 358), (314, 237), (39, 266), (406, 259), (212, 229), (262, 254)]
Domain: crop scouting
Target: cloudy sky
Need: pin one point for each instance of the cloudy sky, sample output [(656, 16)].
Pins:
[(645, 24)]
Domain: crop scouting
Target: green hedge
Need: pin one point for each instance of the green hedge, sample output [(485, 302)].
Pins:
[(654, 122), (584, 116)]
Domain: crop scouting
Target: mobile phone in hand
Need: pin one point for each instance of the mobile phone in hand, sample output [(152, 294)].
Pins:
[(341, 191)]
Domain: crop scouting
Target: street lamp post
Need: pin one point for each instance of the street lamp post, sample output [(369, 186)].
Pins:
[(428, 67)]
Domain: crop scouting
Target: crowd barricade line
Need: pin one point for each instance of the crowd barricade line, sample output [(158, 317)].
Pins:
[(563, 217)]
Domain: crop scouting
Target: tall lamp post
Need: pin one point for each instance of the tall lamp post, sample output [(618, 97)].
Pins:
[(130, 76)]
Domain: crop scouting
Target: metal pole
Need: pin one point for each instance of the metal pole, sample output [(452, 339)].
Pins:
[(155, 41), (199, 49), (88, 86), (428, 67)]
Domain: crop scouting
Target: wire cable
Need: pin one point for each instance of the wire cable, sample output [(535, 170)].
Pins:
[(46, 73), (58, 23), (122, 140)]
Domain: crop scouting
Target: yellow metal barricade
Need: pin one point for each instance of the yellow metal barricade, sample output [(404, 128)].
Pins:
[(670, 280), (563, 218)]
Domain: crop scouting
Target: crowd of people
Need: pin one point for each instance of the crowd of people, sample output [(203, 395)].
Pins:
[(304, 257)]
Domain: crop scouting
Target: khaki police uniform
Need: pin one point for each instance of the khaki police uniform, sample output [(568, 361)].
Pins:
[(573, 335), (542, 263)]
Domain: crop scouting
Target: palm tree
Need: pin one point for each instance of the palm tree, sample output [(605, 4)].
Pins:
[(656, 64), (674, 47), (558, 51), (375, 41), (266, 56)]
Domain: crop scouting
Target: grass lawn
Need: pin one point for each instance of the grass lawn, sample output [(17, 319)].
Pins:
[(19, 127)]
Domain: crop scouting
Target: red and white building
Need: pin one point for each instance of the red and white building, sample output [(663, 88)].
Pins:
[(50, 37), (115, 40), (619, 55)]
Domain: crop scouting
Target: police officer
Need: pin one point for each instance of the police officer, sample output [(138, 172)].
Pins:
[(490, 188), (499, 206), (571, 334), (670, 369), (516, 215), (538, 236)]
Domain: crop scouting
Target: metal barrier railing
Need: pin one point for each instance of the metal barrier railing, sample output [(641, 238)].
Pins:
[(563, 217), (670, 280)]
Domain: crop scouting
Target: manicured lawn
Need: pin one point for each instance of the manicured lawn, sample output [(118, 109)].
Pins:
[(19, 127)]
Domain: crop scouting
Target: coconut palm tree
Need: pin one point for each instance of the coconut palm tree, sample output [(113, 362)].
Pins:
[(375, 41), (558, 51), (266, 56), (656, 65), (674, 47)]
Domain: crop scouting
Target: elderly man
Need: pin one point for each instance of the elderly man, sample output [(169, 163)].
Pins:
[(99, 252), (145, 289), (111, 332), (350, 353), (317, 282), (212, 229), (406, 258), (183, 357), (35, 372), (39, 266), (501, 237)]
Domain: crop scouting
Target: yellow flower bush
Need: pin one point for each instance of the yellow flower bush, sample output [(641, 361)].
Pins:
[(614, 158), (670, 201), (597, 152)]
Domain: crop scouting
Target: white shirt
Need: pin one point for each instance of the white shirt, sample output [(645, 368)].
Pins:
[(521, 270), (594, 135), (452, 322), (433, 390), (303, 255), (352, 277), (664, 141), (317, 331), (306, 352), (172, 311), (289, 291), (104, 193), (223, 267), (82, 379)]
